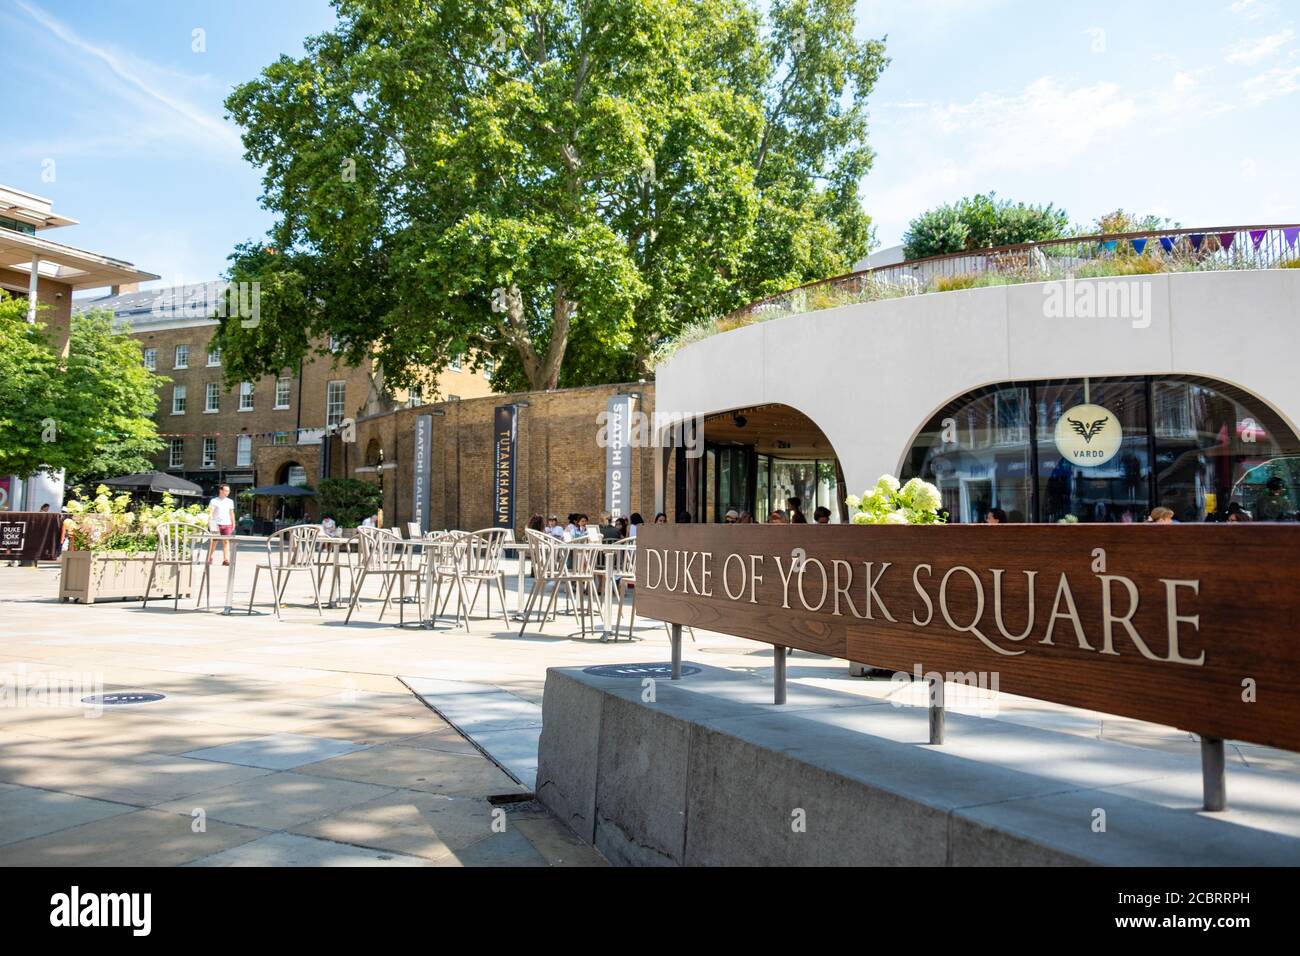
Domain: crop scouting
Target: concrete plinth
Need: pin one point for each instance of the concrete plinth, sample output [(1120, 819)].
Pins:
[(711, 773)]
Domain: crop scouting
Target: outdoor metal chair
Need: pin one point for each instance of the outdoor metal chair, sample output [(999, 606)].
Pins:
[(478, 561), (561, 566), (178, 546), (288, 551), (622, 565), (383, 554)]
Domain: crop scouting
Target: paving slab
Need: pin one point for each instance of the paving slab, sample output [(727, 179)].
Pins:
[(277, 801), (26, 812), (276, 751), (408, 821), (287, 849), (141, 838)]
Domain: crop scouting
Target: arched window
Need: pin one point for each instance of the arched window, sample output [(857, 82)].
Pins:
[(1110, 449)]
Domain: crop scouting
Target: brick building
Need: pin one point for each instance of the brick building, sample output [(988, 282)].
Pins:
[(560, 467), (46, 273), (258, 433)]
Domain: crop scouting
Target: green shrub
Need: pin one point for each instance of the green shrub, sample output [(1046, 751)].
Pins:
[(349, 501)]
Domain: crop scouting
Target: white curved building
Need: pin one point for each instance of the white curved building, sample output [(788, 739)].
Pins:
[(1194, 373)]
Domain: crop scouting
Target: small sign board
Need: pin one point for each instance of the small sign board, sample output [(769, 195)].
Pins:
[(657, 671), (116, 700)]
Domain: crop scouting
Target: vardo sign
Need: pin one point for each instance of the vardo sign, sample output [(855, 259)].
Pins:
[(1190, 626)]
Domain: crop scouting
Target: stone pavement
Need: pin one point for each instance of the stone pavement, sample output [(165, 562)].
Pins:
[(294, 742)]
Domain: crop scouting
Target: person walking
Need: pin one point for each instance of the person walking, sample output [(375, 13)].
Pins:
[(221, 519)]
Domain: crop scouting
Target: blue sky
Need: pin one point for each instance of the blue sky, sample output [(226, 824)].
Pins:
[(1187, 109)]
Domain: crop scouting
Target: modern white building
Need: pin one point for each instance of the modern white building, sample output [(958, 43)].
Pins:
[(1076, 399)]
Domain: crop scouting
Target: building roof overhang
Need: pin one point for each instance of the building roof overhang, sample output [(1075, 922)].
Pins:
[(76, 268)]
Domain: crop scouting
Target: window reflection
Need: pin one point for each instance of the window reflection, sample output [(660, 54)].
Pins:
[(1206, 450)]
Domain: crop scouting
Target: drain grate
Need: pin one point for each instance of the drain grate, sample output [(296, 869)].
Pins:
[(112, 700)]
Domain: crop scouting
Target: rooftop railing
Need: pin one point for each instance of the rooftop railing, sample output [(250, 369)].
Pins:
[(1113, 254)]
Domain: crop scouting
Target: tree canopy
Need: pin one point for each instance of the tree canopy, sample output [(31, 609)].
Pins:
[(91, 417), (981, 222), (552, 185)]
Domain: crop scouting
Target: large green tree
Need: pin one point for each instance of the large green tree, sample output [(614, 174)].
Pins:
[(554, 185), (91, 416)]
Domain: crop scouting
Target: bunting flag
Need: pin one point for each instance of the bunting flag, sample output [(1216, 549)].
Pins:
[(1167, 243), (1196, 239), (1225, 240), (1139, 245), (292, 434), (1290, 235), (1257, 236), (1110, 244)]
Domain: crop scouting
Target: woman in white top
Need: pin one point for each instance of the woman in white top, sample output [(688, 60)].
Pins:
[(221, 520)]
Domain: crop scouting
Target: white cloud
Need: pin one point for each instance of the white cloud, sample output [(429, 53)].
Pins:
[(159, 109), (1250, 9), (1278, 81), (1260, 48), (1040, 124)]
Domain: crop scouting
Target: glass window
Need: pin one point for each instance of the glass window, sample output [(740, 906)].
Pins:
[(413, 398), (1219, 447), (212, 398), (335, 401), (281, 438), (214, 357), (454, 364), (176, 453), (244, 450), (151, 359), (976, 451), (245, 396), (209, 453), (178, 399), (1117, 489), (282, 385), (182, 357), (1206, 450)]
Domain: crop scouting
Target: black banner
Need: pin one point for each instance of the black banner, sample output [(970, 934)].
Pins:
[(423, 471), (29, 535), (505, 432)]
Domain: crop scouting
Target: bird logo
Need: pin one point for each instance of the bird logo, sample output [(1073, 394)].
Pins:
[(1087, 431)]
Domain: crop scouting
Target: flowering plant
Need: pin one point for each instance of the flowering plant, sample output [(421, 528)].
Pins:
[(106, 523), (916, 502)]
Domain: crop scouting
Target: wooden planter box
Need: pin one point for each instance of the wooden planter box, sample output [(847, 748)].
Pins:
[(87, 576)]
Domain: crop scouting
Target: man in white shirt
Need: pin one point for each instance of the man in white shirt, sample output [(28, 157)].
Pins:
[(221, 520)]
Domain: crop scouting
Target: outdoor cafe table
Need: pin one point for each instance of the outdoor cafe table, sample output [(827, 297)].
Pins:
[(338, 546), (234, 561), (520, 549)]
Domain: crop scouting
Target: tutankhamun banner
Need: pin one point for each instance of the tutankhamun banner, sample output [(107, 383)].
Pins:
[(1192, 626)]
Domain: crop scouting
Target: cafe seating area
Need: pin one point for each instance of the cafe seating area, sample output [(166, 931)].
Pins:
[(446, 579)]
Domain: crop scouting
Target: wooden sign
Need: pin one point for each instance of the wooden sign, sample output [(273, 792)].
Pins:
[(1192, 626)]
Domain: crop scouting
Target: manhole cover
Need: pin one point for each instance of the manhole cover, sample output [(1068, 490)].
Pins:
[(109, 700), (638, 670)]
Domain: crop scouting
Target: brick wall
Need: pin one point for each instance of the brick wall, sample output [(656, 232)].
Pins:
[(560, 467)]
